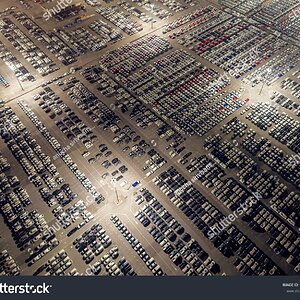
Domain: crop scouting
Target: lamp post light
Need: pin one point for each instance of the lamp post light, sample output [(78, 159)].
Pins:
[(19, 82), (152, 11), (264, 82)]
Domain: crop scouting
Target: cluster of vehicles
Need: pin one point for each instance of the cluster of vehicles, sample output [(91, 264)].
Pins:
[(155, 162), (163, 76), (128, 58), (268, 14), (173, 5), (137, 247), (184, 251), (56, 265), (286, 102), (15, 65), (92, 106), (50, 102), (186, 19), (267, 185), (281, 126), (3, 81), (76, 130), (107, 32), (92, 242), (153, 8), (276, 67), (37, 58), (68, 216), (136, 12), (206, 216), (50, 40), (120, 19), (82, 40), (87, 184), (292, 85), (8, 266)]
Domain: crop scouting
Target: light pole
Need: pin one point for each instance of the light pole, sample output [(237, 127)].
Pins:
[(152, 11), (262, 87), (118, 201), (268, 72), (20, 83)]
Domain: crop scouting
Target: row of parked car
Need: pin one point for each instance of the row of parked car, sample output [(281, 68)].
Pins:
[(276, 67), (76, 130), (3, 81), (87, 184), (108, 33), (181, 101), (48, 244), (236, 56), (232, 194), (81, 39), (174, 5), (92, 106), (108, 120), (70, 215), (128, 58), (154, 9), (161, 77), (89, 246), (185, 252), (8, 266), (283, 101), (137, 247), (289, 24), (281, 126), (49, 39), (93, 3), (42, 173), (56, 265), (69, 12), (154, 163), (263, 149), (92, 242), (120, 19), (15, 65), (35, 56), (142, 115), (292, 85), (27, 227), (230, 48), (231, 241), (136, 12), (199, 120), (241, 6), (50, 102), (210, 19), (268, 14), (199, 12)]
